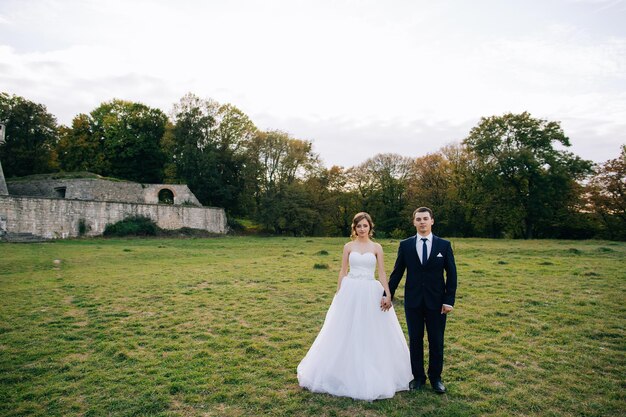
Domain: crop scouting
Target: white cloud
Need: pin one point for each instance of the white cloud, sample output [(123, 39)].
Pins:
[(369, 75)]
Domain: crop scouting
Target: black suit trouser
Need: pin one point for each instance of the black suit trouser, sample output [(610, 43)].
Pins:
[(435, 323)]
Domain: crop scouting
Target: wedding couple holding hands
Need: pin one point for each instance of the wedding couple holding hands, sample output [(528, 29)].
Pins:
[(361, 352)]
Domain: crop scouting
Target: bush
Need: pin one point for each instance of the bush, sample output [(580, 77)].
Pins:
[(235, 226), (186, 232), (398, 234), (132, 226), (82, 227), (240, 226)]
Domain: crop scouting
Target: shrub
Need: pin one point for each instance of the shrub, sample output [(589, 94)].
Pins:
[(235, 226), (186, 232), (132, 226), (82, 227), (398, 234)]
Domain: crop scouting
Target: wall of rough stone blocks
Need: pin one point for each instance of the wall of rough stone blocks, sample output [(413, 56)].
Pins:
[(3, 184), (182, 194), (101, 190), (53, 218)]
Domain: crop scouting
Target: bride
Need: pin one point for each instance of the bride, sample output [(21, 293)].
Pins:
[(360, 352)]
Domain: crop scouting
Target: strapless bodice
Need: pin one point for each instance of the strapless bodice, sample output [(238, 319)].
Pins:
[(362, 265)]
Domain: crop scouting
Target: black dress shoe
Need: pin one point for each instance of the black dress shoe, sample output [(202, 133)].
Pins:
[(438, 386), (416, 384)]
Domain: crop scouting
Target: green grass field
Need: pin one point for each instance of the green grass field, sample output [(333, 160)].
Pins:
[(216, 327)]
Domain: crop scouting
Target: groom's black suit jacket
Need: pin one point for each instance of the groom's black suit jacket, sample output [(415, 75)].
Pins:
[(425, 284)]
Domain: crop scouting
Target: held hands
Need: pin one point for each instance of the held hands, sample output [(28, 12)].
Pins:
[(445, 309), (385, 304)]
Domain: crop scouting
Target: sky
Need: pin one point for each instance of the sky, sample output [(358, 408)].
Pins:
[(356, 78)]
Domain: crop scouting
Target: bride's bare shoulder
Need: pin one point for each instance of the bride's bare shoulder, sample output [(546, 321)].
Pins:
[(378, 247)]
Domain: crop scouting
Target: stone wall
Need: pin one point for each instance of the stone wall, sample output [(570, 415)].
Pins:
[(3, 184), (3, 225), (100, 190), (182, 194), (53, 218)]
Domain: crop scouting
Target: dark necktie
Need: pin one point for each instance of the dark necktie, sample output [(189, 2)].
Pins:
[(424, 251)]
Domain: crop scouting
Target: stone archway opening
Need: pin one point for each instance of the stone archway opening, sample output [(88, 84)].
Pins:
[(166, 196), (59, 192)]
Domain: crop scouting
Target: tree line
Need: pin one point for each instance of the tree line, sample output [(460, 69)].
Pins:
[(512, 176)]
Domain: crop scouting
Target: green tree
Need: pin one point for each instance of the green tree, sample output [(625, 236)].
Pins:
[(78, 149), (211, 144), (193, 120), (118, 138), (291, 210), (525, 183), (430, 184), (278, 161), (31, 135), (233, 134), (168, 146), (607, 195), (459, 214), (129, 136), (333, 201), (381, 182)]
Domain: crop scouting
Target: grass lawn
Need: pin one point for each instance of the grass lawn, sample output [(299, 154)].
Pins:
[(216, 327)]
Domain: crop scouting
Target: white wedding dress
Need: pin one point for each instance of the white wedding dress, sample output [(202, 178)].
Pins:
[(360, 352)]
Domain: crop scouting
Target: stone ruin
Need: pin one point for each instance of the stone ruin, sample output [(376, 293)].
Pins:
[(56, 206), (51, 208), (3, 184)]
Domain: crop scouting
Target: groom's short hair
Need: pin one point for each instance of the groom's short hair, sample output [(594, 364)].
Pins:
[(423, 210)]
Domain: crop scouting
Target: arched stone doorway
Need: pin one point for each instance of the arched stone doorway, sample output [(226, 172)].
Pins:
[(59, 192), (166, 196)]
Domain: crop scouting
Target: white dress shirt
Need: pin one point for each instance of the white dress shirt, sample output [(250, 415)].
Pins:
[(419, 243)]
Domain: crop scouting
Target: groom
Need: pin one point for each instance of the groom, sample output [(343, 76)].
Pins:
[(428, 297)]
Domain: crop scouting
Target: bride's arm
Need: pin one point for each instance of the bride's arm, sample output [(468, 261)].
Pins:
[(344, 265), (382, 276)]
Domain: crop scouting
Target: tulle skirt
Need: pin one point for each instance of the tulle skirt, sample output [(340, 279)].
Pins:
[(360, 352)]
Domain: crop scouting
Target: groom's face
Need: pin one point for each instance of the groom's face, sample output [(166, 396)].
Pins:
[(423, 223)]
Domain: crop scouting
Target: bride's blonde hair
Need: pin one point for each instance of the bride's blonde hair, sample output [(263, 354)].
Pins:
[(357, 218)]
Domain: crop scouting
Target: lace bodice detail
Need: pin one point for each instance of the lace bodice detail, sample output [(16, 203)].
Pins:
[(362, 265)]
